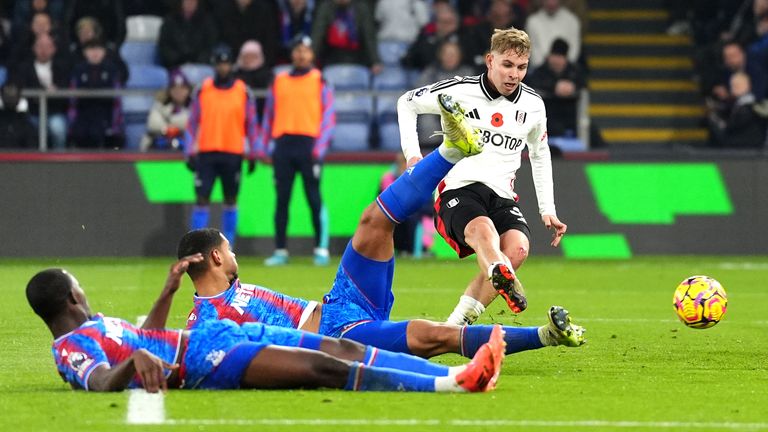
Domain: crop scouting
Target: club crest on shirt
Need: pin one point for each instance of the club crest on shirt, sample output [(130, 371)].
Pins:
[(520, 117), (79, 362)]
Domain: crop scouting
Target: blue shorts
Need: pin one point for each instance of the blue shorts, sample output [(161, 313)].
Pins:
[(362, 291), (219, 352)]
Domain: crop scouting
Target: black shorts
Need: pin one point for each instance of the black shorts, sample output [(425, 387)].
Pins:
[(211, 165), (455, 208)]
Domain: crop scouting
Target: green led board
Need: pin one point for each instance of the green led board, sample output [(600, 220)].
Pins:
[(657, 193), (346, 191), (596, 246)]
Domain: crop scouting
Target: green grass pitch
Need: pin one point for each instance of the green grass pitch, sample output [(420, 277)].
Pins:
[(641, 369)]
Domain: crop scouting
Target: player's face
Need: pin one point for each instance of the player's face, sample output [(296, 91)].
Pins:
[(79, 295), (506, 70), (229, 263), (302, 56)]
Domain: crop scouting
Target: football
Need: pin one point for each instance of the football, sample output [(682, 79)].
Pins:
[(700, 302)]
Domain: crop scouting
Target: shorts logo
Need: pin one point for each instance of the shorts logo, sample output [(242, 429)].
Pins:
[(520, 117), (516, 212), (215, 357), (452, 203), (497, 120)]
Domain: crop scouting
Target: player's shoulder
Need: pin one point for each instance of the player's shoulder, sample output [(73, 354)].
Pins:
[(529, 96), (459, 83)]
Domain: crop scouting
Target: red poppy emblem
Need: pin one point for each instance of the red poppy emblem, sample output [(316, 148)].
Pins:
[(497, 120)]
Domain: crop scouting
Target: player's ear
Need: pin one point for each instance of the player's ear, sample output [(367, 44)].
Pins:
[(216, 256), (488, 58)]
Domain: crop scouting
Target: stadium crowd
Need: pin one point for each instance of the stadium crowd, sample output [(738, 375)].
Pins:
[(731, 39), (377, 45)]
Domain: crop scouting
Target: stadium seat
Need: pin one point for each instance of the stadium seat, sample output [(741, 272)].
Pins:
[(390, 52), (348, 76), (391, 78), (386, 118), (143, 28), (197, 72), (139, 52), (147, 76), (135, 111), (353, 121)]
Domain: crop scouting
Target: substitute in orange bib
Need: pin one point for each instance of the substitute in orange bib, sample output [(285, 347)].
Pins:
[(223, 115), (299, 117)]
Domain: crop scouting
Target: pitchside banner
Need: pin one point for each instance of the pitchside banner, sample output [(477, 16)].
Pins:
[(614, 210)]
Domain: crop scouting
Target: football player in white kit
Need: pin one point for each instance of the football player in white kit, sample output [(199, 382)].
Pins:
[(476, 207)]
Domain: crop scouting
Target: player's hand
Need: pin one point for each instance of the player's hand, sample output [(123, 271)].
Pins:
[(173, 282), (412, 161), (192, 163), (151, 370), (559, 228)]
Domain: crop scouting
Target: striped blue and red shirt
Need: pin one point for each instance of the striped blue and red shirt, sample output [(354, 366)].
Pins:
[(243, 303), (109, 341)]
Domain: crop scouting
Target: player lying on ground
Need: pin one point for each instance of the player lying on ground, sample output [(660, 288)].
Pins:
[(98, 353), (477, 209), (359, 303)]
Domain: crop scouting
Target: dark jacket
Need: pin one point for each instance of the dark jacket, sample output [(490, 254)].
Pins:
[(25, 76), (93, 120), (362, 35), (561, 111), (16, 131), (186, 41), (258, 21)]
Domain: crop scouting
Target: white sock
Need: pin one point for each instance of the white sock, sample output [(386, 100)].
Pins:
[(447, 384), (466, 312), (494, 264), (452, 155), (455, 370), (281, 252), (321, 251), (546, 337)]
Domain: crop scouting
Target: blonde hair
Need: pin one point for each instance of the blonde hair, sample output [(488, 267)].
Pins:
[(504, 40)]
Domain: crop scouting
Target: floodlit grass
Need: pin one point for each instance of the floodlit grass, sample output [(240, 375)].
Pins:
[(641, 370)]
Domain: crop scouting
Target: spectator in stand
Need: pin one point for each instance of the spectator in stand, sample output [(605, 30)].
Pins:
[(187, 36), (501, 14), (89, 29), (167, 120), (553, 21), (6, 36), (447, 64), (295, 19), (40, 24), (558, 82), (96, 122), (110, 14), (344, 32), (50, 72), (242, 20), (24, 10), (15, 129), (423, 51), (757, 62), (223, 116), (401, 20), (251, 69), (742, 127), (299, 117)]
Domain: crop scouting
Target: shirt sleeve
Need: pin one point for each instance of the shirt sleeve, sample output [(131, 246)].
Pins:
[(541, 166), (409, 106), (77, 357)]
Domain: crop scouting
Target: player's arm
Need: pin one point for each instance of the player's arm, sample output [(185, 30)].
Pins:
[(541, 167), (148, 366), (158, 316), (409, 106)]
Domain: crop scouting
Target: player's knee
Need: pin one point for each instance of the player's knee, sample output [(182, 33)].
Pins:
[(327, 371), (517, 254), (479, 229)]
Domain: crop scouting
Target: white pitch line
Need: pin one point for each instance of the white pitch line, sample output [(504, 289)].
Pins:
[(470, 423), (145, 408)]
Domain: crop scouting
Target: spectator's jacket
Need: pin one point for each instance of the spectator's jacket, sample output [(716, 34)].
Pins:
[(362, 31), (87, 113), (300, 103)]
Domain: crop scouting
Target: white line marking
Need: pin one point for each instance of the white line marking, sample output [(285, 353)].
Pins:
[(145, 408), (469, 422)]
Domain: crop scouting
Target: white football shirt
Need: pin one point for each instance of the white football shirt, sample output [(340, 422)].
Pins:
[(507, 124)]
